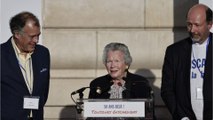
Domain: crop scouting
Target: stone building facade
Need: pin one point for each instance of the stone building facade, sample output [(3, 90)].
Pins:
[(76, 31)]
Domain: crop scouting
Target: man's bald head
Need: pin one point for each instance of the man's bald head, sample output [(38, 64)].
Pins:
[(201, 9)]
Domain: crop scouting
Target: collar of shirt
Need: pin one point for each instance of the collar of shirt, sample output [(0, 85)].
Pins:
[(19, 54)]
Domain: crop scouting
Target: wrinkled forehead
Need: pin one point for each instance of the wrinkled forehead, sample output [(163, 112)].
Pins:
[(197, 11), (196, 15)]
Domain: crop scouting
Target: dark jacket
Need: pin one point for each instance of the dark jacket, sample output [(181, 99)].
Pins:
[(136, 87), (175, 89), (13, 86)]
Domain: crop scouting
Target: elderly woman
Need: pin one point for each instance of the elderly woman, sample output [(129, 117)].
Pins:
[(119, 82)]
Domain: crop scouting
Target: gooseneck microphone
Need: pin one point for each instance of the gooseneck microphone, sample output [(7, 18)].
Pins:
[(79, 90), (79, 104), (98, 90)]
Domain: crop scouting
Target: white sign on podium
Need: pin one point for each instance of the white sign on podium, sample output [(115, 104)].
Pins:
[(117, 108), (114, 109)]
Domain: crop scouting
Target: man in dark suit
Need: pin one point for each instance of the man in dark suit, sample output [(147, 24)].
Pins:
[(25, 71), (187, 70)]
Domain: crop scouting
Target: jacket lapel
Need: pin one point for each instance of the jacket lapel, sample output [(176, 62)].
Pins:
[(186, 54), (15, 63), (35, 71)]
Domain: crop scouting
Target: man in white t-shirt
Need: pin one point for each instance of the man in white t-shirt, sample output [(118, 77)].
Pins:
[(187, 70)]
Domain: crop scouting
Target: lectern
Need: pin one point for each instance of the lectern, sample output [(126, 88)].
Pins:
[(116, 109)]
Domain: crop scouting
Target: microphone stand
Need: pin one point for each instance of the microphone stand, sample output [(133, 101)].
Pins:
[(79, 105), (81, 95)]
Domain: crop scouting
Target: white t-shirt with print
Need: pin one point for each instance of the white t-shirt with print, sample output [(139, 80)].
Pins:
[(198, 58)]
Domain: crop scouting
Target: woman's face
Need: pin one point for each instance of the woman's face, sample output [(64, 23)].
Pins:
[(115, 64)]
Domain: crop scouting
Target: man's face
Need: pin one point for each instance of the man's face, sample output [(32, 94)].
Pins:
[(197, 26), (115, 64), (28, 38)]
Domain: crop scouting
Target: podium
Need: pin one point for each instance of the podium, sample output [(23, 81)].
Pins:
[(116, 109)]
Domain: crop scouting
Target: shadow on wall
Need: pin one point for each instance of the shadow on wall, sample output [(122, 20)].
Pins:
[(161, 112), (151, 78), (68, 113)]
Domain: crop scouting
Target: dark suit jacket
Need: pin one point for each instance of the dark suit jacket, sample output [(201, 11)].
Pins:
[(136, 87), (175, 89), (13, 87)]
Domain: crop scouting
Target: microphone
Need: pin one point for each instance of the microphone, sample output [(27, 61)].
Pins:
[(79, 104), (98, 90), (79, 90)]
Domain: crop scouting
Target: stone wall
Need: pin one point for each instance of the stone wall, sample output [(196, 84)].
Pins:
[(76, 31)]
